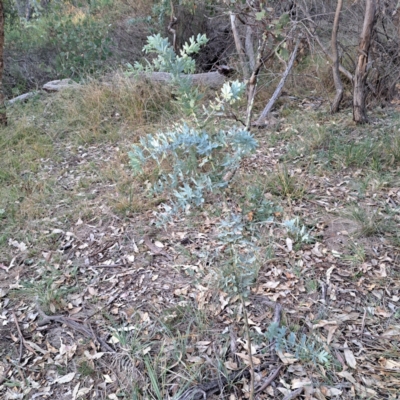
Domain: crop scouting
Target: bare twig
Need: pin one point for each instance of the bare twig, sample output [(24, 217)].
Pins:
[(269, 380), (214, 386), (277, 321), (4, 377), (324, 291), (363, 322), (246, 322), (22, 341), (76, 326), (108, 266)]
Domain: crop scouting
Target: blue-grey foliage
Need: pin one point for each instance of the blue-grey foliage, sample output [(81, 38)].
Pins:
[(197, 161), (303, 347)]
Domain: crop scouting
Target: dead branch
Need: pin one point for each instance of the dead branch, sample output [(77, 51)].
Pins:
[(246, 322), (22, 342), (271, 377), (277, 322), (4, 377), (206, 390), (252, 83), (21, 97), (74, 325), (56, 86), (248, 45), (229, 175), (171, 29), (261, 119)]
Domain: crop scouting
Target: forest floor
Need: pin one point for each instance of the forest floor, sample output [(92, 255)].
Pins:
[(97, 302)]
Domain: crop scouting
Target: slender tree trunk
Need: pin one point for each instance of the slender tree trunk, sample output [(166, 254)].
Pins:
[(335, 59), (249, 47), (314, 35), (239, 47), (3, 114), (360, 76), (252, 83)]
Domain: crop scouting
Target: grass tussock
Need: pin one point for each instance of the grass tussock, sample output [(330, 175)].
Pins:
[(99, 111), (335, 146), (57, 147)]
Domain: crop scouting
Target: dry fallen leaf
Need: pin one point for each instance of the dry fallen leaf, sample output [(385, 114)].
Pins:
[(66, 378), (245, 357), (349, 356), (287, 358), (390, 364)]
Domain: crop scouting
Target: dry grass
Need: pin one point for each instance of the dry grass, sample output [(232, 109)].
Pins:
[(64, 168), (58, 146)]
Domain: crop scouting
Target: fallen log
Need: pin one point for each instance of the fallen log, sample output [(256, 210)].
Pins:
[(22, 97), (57, 85), (214, 80)]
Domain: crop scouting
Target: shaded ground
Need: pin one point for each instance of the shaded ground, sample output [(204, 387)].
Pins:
[(96, 302)]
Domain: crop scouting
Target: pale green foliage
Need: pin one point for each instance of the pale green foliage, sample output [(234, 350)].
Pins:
[(231, 93), (304, 348), (298, 232), (179, 66), (237, 274), (197, 161), (167, 60)]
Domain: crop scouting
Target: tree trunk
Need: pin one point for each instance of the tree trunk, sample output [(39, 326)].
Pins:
[(239, 47), (249, 47), (360, 76), (3, 114), (335, 59)]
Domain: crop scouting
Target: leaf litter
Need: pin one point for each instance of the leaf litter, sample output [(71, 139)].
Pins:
[(98, 305)]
